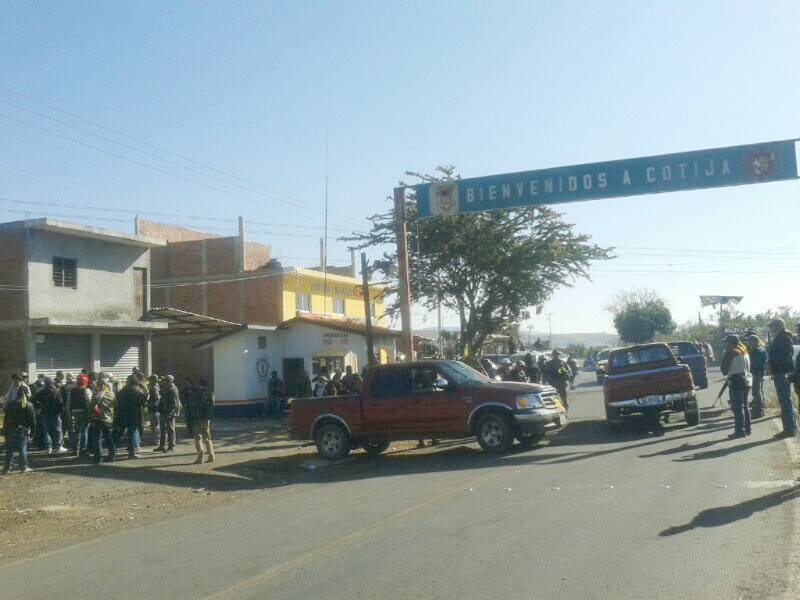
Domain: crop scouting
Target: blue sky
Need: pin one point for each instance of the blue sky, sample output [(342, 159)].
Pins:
[(251, 89)]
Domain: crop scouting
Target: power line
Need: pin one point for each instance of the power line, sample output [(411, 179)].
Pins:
[(149, 145), (142, 164)]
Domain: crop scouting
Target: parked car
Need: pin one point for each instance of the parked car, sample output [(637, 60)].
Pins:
[(588, 363), (688, 353), (432, 399), (600, 360), (647, 379)]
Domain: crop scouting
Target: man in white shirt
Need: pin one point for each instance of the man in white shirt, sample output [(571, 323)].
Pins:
[(736, 368)]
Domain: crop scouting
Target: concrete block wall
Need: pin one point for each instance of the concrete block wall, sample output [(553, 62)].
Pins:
[(176, 355), (13, 303), (170, 233), (12, 354)]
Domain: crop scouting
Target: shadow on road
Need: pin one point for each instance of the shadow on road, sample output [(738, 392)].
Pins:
[(720, 452), (450, 455), (724, 515), (281, 471)]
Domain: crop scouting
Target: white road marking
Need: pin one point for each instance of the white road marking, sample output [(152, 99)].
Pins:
[(777, 483)]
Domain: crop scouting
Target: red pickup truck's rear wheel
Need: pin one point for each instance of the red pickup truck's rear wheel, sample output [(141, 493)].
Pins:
[(494, 433), (333, 441)]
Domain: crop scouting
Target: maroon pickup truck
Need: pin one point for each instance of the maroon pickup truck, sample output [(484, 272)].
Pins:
[(427, 399), (647, 379)]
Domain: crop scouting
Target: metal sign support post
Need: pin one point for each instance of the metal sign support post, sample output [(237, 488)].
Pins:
[(404, 289), (367, 310)]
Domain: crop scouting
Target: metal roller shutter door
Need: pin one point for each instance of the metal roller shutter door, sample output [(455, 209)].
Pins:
[(119, 354), (62, 352)]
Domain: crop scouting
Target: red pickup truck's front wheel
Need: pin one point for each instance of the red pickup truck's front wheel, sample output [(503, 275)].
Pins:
[(494, 433), (333, 441)]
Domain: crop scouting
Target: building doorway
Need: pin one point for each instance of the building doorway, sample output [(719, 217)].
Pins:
[(293, 376)]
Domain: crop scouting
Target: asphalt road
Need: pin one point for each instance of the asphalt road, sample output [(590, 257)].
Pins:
[(670, 512)]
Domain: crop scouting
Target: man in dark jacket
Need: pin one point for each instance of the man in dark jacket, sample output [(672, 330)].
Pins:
[(169, 409), (202, 409), (557, 374), (51, 405), (780, 363), (19, 422), (532, 369), (275, 394), (130, 411)]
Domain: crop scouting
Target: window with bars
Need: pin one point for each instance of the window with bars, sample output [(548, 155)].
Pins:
[(65, 272)]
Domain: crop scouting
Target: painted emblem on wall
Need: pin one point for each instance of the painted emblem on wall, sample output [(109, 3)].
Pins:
[(262, 368)]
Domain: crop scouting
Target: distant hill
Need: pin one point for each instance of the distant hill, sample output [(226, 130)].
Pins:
[(560, 340)]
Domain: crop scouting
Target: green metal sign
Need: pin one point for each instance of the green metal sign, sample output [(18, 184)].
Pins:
[(719, 167)]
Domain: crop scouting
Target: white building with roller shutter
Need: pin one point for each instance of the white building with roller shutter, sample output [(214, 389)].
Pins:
[(74, 297)]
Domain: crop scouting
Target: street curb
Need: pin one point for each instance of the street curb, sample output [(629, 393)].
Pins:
[(793, 560)]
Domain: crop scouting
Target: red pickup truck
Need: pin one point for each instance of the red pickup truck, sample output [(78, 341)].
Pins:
[(430, 399), (647, 379)]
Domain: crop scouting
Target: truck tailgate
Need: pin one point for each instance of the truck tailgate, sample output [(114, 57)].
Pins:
[(637, 384)]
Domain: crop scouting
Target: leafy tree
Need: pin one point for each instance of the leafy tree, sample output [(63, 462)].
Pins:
[(639, 315), (488, 267)]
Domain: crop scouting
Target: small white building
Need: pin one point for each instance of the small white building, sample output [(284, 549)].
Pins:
[(245, 357)]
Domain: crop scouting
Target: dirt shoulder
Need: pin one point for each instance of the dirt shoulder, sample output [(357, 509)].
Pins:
[(68, 500)]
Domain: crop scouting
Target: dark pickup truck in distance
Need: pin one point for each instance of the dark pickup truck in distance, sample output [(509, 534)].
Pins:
[(427, 399), (689, 354), (647, 379)]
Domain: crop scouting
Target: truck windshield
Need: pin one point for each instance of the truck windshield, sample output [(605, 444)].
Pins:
[(641, 356), (461, 374)]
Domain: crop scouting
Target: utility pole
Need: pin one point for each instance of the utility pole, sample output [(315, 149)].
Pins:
[(530, 331), (404, 289), (439, 340), (367, 309), (550, 325)]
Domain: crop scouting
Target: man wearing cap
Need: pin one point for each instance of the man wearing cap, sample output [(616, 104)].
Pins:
[(169, 409), (736, 368), (780, 353)]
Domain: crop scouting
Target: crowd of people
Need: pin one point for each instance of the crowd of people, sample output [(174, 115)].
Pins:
[(745, 364), (92, 410), (555, 371)]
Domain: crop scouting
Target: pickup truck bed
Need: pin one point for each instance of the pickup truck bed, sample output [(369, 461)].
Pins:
[(426, 399), (647, 379)]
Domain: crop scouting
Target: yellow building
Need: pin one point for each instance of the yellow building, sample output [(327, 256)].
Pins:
[(311, 292)]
